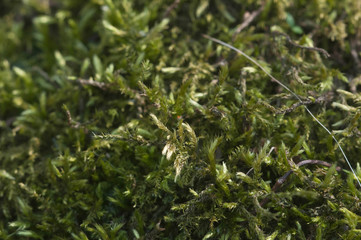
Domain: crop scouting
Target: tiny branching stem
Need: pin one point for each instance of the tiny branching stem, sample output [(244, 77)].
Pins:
[(305, 102), (290, 91), (283, 179), (323, 51), (170, 8)]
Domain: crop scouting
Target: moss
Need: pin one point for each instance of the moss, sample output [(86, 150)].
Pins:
[(119, 120)]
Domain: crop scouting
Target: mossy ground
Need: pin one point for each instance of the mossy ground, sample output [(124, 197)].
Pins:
[(118, 120)]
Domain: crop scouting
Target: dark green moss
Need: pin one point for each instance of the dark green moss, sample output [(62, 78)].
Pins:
[(118, 120)]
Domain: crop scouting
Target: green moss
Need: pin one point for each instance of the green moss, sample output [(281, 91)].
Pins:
[(118, 120)]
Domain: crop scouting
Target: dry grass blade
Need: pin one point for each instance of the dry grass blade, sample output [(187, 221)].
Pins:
[(290, 91)]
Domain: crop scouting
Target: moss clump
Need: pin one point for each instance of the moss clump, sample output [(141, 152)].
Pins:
[(118, 120)]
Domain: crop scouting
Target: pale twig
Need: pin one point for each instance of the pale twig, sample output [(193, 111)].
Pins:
[(354, 52), (323, 51), (305, 102), (93, 83), (71, 122), (44, 75), (170, 8), (290, 91), (41, 73), (247, 20)]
